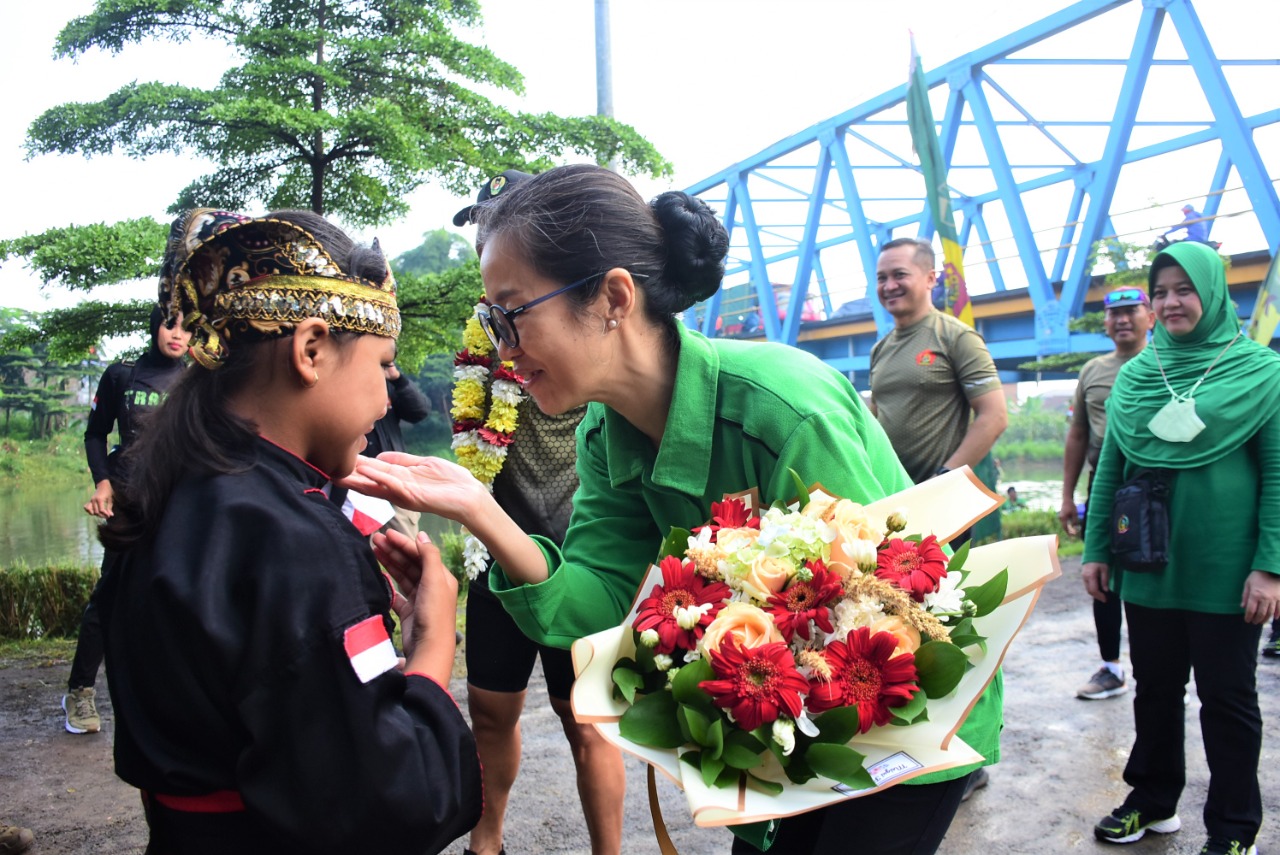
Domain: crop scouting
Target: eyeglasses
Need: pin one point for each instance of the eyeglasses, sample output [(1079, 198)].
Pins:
[(1125, 295), (500, 324)]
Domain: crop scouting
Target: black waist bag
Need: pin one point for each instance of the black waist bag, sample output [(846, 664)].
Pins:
[(1140, 522)]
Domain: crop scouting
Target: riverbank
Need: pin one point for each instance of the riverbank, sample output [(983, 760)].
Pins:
[(1060, 771)]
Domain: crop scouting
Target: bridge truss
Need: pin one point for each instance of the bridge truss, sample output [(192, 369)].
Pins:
[(1034, 181)]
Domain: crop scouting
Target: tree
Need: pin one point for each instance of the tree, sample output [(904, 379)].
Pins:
[(440, 250), (342, 107), (33, 382)]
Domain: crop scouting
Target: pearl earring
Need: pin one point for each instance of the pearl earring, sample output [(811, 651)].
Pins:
[(613, 324)]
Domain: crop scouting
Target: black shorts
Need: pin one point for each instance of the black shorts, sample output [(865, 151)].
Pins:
[(500, 657)]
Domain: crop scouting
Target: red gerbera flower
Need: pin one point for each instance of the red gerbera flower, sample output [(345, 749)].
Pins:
[(865, 674), (914, 567), (801, 602), (731, 513), (755, 685), (681, 588)]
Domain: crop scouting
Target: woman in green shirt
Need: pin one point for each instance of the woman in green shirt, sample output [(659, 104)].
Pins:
[(1205, 609), (675, 421)]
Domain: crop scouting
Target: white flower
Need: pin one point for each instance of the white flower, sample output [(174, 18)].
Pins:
[(806, 725), (649, 638), (687, 617), (507, 391), (853, 613), (949, 598), (475, 558), (478, 373), (784, 733), (663, 661), (701, 540)]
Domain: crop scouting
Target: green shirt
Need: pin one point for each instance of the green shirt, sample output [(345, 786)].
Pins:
[(742, 414), (1224, 523), (922, 379)]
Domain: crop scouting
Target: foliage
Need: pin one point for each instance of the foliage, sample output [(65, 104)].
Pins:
[(1032, 422), (50, 462), (1029, 523), (343, 107), (433, 308), (439, 251), (84, 257), (36, 602), (33, 380), (1029, 450)]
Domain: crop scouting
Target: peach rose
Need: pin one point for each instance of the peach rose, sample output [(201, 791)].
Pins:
[(853, 518), (732, 540), (767, 576), (908, 636), (819, 507), (748, 625), (853, 551)]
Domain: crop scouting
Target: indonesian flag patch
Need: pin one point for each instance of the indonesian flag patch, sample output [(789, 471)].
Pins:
[(366, 513), (369, 648)]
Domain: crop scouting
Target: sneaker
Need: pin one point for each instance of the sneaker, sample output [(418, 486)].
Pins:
[(14, 839), (82, 712), (1222, 846), (977, 781), (1101, 685), (1272, 648), (1125, 825)]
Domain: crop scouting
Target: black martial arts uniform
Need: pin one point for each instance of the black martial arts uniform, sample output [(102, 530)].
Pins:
[(257, 708)]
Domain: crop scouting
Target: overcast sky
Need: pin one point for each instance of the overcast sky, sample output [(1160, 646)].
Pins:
[(709, 82)]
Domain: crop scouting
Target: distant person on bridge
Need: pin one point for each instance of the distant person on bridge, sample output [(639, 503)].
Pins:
[(1194, 223), (931, 372), (1127, 320)]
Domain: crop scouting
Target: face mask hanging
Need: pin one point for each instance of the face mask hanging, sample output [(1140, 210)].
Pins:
[(1176, 421)]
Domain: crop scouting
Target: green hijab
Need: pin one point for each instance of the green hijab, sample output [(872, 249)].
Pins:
[(1240, 393)]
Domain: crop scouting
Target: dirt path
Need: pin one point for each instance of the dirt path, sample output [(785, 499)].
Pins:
[(1060, 772)]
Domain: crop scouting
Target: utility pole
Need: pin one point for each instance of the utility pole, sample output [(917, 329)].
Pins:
[(604, 68)]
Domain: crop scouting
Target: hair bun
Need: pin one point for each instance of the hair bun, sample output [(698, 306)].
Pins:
[(697, 244)]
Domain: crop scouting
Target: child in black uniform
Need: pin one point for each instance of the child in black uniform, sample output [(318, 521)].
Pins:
[(260, 703)]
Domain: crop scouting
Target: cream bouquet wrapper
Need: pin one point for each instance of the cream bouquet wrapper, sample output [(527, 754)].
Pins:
[(943, 506)]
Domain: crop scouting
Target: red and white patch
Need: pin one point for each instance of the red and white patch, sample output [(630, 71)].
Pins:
[(369, 648), (366, 513)]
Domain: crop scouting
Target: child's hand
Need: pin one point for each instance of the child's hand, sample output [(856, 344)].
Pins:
[(430, 609)]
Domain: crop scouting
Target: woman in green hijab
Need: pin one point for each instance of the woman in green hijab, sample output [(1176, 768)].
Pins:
[(1200, 405)]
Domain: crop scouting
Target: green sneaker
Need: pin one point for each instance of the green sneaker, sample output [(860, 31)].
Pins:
[(82, 712), (1222, 846), (1272, 647), (1125, 825)]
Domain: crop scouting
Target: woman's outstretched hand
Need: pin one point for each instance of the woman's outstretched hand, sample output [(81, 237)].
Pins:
[(428, 609), (427, 484)]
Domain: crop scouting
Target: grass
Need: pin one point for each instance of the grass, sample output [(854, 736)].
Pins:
[(37, 652), (53, 462)]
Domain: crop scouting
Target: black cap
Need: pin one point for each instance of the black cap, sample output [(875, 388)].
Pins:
[(494, 187)]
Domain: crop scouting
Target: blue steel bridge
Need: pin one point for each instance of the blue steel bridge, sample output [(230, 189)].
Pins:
[(1048, 153)]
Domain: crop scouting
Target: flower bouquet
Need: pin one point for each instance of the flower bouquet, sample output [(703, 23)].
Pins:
[(780, 659)]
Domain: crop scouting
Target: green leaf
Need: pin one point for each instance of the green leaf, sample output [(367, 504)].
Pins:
[(715, 737), (956, 564), (675, 543), (798, 770), (742, 750), (697, 723), (773, 788), (728, 777), (990, 594), (911, 711), (802, 490), (940, 666), (652, 721), (685, 684), (837, 726), (644, 656), (839, 763), (712, 767), (627, 680)]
